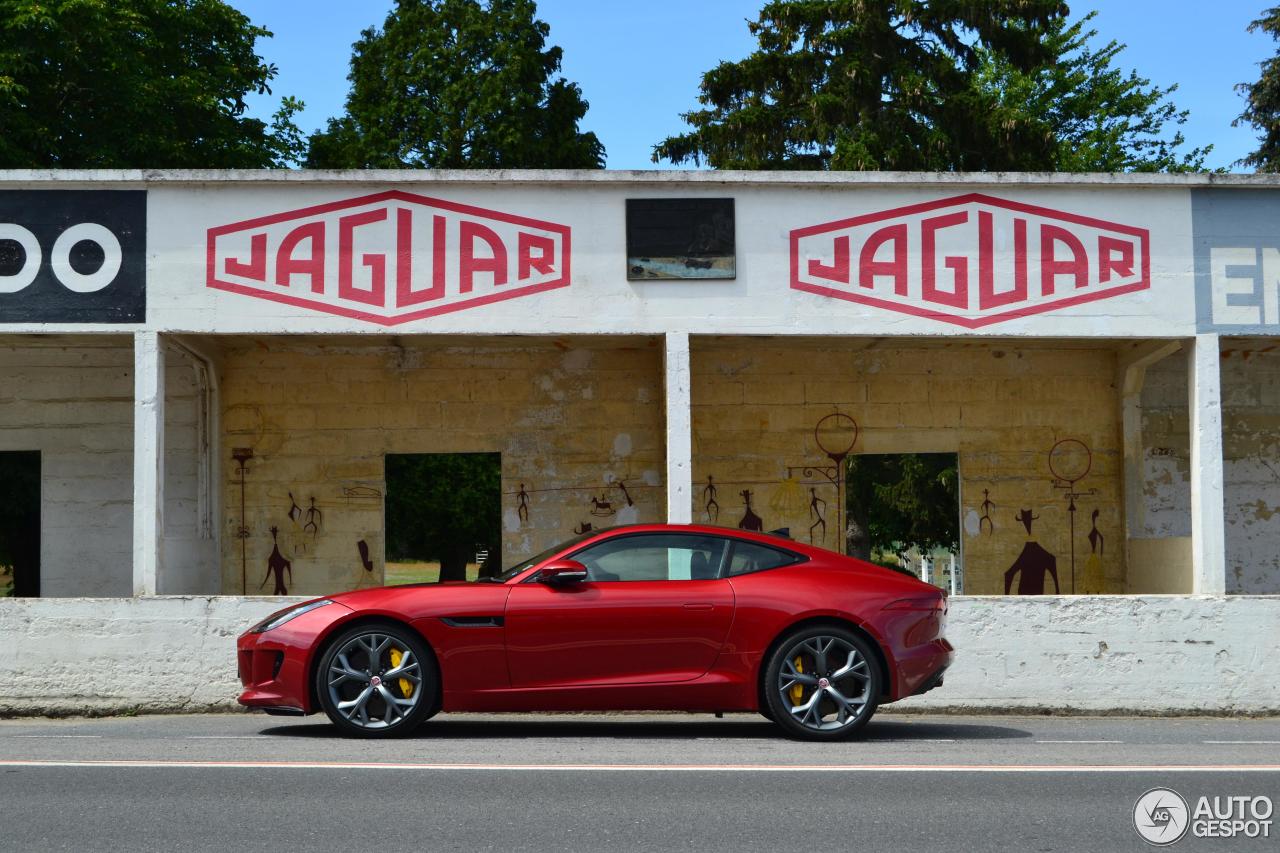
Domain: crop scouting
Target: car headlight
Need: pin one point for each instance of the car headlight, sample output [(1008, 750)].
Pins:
[(275, 620)]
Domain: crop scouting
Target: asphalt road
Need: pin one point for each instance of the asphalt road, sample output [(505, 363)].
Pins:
[(634, 782)]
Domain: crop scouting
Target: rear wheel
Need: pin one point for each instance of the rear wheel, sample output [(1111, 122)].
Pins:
[(822, 683), (377, 681)]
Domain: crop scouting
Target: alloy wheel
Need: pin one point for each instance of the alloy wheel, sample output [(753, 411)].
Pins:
[(824, 683), (374, 680)]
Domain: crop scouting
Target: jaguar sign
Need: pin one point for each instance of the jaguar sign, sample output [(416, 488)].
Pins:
[(389, 257), (971, 260)]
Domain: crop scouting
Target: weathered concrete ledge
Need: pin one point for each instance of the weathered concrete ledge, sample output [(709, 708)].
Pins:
[(1083, 655)]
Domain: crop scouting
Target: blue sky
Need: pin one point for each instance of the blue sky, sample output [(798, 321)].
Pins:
[(639, 63)]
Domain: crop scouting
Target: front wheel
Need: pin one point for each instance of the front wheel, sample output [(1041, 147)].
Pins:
[(377, 681), (822, 683)]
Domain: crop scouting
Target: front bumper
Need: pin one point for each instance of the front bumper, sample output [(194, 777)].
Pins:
[(275, 666)]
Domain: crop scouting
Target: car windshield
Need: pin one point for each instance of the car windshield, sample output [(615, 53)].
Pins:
[(550, 552)]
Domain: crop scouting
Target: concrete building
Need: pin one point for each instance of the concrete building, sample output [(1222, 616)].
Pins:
[(201, 358)]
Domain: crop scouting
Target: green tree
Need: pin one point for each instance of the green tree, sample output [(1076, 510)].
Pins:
[(902, 500), (442, 506), (905, 84), (1262, 101), (449, 84), (1095, 117), (135, 84)]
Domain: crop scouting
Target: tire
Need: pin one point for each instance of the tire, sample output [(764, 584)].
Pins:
[(361, 699), (833, 691)]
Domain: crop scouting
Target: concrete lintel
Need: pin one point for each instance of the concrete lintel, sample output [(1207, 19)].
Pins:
[(1208, 527), (148, 461), (679, 429), (679, 177)]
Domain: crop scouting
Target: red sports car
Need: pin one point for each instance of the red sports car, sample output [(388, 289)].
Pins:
[(646, 617)]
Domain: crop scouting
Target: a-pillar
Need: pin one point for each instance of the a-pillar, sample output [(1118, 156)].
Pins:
[(679, 429), (148, 461), (1208, 537)]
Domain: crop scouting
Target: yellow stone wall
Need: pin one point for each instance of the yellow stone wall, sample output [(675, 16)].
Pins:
[(570, 417), (1001, 406)]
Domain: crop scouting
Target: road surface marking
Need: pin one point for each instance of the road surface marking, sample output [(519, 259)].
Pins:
[(1242, 741), (58, 736), (1079, 741), (225, 737), (654, 768)]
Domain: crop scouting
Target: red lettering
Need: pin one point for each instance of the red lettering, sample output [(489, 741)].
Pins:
[(1114, 256), (312, 267), (1051, 267), (958, 265), (544, 262), (405, 294), (469, 264), (256, 269), (987, 296), (869, 267), (838, 271), (377, 264)]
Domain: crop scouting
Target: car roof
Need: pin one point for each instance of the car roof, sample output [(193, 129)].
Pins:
[(774, 540)]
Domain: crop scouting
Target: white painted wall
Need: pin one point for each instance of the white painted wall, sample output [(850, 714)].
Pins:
[(1147, 654), (71, 398), (1251, 460)]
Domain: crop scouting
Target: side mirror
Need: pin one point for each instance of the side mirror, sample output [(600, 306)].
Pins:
[(562, 572)]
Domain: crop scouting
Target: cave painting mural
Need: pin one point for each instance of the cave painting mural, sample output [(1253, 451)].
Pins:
[(242, 455), (522, 505), (1032, 565), (314, 518), (985, 519), (817, 511), (622, 506), (710, 507), (1070, 461), (277, 565), (750, 521), (1094, 582)]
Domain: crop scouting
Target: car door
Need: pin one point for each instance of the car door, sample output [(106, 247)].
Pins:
[(653, 609)]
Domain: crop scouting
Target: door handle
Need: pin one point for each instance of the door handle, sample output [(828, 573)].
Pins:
[(700, 605)]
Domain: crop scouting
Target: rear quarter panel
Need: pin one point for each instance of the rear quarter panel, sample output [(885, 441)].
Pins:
[(772, 601)]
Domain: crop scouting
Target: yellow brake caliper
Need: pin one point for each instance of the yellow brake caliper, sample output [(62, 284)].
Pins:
[(797, 690), (405, 686)]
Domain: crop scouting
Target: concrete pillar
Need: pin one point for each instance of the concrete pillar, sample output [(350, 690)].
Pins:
[(1208, 534), (1131, 372), (679, 429), (148, 460)]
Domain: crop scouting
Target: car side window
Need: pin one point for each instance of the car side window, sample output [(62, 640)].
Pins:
[(753, 557), (654, 557)]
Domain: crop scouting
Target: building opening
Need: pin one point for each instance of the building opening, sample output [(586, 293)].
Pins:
[(904, 512), (19, 523), (443, 516)]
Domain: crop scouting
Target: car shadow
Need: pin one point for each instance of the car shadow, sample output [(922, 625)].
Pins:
[(739, 727)]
